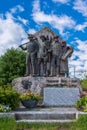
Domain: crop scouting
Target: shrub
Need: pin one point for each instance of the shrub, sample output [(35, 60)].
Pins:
[(82, 103), (4, 108), (9, 97), (84, 84), (12, 65)]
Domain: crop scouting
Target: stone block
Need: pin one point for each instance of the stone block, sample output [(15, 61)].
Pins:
[(60, 96)]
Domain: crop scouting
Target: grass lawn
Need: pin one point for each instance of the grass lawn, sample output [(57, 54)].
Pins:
[(11, 124)]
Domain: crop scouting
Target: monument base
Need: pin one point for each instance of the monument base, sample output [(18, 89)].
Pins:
[(60, 96), (37, 84), (56, 91)]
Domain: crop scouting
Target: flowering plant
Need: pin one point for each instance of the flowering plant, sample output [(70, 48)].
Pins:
[(30, 96), (4, 108)]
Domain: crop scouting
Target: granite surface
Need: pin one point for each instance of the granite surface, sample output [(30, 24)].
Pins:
[(60, 96), (37, 84)]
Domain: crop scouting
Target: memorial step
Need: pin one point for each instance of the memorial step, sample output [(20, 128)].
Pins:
[(46, 121), (44, 116)]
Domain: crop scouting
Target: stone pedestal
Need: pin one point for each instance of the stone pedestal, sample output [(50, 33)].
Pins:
[(54, 96), (37, 84), (56, 91)]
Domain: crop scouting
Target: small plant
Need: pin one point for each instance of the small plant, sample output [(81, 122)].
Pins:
[(29, 99), (82, 103), (4, 108), (28, 96), (84, 84)]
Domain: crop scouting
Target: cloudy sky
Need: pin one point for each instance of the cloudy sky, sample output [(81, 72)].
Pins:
[(65, 17)]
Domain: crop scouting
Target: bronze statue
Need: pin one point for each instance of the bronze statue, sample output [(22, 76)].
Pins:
[(43, 56), (32, 49), (56, 49), (47, 59), (66, 53)]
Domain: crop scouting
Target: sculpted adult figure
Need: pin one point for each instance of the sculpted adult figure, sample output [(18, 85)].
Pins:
[(32, 48), (43, 56), (66, 53), (56, 55)]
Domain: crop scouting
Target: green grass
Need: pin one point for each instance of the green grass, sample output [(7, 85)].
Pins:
[(10, 124), (7, 124)]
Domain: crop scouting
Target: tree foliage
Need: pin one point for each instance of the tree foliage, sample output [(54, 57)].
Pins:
[(12, 65)]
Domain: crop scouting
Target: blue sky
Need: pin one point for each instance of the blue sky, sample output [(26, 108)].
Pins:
[(65, 17)]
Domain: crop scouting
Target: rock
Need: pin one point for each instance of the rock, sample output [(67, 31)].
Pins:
[(29, 83), (36, 84)]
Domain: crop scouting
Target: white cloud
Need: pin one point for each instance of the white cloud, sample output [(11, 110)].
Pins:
[(61, 1), (59, 22), (11, 35), (81, 6), (79, 58), (11, 32), (81, 27), (82, 45), (16, 9), (85, 66), (32, 31), (24, 21), (36, 6)]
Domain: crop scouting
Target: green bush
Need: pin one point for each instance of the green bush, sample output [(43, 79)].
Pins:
[(12, 65), (82, 103), (9, 97), (84, 84)]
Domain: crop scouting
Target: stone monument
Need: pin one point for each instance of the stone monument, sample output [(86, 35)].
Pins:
[(47, 70)]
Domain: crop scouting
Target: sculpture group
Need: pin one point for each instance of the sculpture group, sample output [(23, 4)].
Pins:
[(47, 59)]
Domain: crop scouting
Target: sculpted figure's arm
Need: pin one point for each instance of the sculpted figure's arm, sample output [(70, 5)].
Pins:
[(68, 53), (71, 50), (23, 47)]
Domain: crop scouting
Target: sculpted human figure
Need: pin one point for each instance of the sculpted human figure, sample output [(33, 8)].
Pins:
[(66, 53), (56, 49), (32, 48), (43, 56), (49, 41)]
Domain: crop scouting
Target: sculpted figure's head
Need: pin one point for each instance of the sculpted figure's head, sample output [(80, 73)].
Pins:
[(30, 36), (56, 38), (43, 38), (63, 43)]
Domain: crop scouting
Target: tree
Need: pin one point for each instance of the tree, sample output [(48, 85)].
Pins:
[(12, 65)]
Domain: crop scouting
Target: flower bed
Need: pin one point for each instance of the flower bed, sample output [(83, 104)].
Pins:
[(30, 99)]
